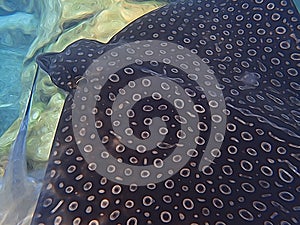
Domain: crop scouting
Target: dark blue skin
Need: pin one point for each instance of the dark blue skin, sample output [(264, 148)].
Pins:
[(61, 71), (262, 174)]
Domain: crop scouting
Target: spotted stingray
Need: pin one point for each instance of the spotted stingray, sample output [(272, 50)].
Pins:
[(189, 115)]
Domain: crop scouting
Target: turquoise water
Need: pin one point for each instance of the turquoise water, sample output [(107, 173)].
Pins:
[(297, 3), (18, 25)]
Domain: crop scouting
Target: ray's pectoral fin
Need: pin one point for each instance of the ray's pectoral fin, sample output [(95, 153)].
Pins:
[(67, 67)]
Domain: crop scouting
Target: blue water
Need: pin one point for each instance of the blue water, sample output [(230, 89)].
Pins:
[(10, 70), (297, 3), (18, 25)]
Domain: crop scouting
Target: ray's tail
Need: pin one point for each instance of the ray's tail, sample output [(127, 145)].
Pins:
[(16, 172)]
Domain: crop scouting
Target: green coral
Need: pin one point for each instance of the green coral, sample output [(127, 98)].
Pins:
[(43, 124)]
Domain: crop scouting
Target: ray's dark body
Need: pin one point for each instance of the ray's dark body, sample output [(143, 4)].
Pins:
[(254, 181)]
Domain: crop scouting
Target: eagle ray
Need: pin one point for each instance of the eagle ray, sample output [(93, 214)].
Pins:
[(252, 49)]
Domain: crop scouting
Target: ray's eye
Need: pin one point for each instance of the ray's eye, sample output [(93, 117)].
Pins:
[(74, 84)]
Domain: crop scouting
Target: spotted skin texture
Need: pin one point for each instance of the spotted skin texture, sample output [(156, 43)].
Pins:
[(253, 49), (63, 68)]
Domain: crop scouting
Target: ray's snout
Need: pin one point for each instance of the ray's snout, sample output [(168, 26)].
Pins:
[(45, 60)]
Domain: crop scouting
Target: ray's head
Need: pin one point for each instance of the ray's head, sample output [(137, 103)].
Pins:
[(67, 67)]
